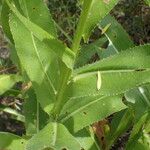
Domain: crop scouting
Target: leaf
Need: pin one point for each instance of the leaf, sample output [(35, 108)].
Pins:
[(5, 20), (118, 38), (139, 101), (36, 59), (112, 82), (63, 52), (78, 113), (116, 35), (87, 140), (87, 51), (35, 117), (147, 2), (137, 137), (10, 141), (38, 13), (54, 136), (135, 58), (121, 122), (7, 81), (98, 10)]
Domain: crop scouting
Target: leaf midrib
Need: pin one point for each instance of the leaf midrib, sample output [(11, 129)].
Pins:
[(81, 108), (84, 74), (38, 56)]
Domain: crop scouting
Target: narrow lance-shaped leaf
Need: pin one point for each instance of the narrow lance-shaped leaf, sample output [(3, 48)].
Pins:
[(89, 50), (138, 138), (63, 52), (5, 20), (121, 122), (98, 10), (124, 76), (33, 54), (135, 58), (81, 112), (119, 73), (54, 136), (112, 82), (118, 38), (38, 13)]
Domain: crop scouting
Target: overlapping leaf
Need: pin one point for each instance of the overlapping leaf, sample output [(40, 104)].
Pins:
[(98, 9), (135, 58), (36, 58), (54, 136), (81, 112), (87, 51), (87, 140), (35, 117), (118, 38), (63, 52), (33, 55), (139, 138), (118, 74), (38, 13)]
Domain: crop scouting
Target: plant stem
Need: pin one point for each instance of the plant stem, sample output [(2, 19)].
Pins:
[(81, 26), (60, 96), (60, 100)]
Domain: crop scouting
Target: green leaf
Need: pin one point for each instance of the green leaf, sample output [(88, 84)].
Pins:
[(87, 51), (7, 81), (81, 112), (36, 59), (38, 13), (63, 52), (120, 123), (138, 137), (54, 136), (11, 142), (139, 101), (5, 20), (147, 2), (118, 38), (112, 82), (133, 58), (35, 117), (87, 140), (98, 10)]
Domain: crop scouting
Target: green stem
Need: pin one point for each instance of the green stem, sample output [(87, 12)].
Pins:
[(81, 26), (60, 100)]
